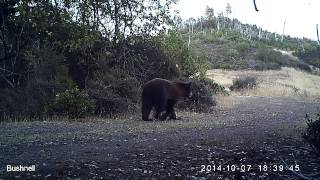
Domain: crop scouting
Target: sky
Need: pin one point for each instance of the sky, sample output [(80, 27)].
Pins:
[(301, 16)]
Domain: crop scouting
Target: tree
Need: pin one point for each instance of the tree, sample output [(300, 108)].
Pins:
[(209, 12), (49, 46), (228, 9)]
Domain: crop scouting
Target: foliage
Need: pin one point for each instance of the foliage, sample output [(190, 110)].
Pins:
[(208, 39), (74, 103), (25, 103), (195, 65), (109, 48), (203, 90), (272, 59), (232, 52), (45, 78), (267, 54), (312, 133), (310, 55), (243, 47), (247, 82), (176, 53), (114, 92)]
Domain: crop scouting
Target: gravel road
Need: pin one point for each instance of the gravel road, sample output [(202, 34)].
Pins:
[(251, 139)]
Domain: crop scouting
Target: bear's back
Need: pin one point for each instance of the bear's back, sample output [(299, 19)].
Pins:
[(163, 87)]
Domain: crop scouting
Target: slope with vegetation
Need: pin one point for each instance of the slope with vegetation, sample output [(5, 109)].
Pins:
[(231, 44)]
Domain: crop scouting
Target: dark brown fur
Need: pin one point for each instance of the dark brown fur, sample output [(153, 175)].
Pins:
[(162, 95)]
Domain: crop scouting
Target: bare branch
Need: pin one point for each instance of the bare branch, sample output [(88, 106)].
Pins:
[(255, 5), (7, 80)]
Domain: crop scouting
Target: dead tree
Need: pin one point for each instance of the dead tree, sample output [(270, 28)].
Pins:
[(284, 24), (317, 34)]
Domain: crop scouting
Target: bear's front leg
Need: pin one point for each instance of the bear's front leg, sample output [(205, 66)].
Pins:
[(164, 116), (173, 115)]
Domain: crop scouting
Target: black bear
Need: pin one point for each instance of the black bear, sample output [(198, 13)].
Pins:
[(162, 95)]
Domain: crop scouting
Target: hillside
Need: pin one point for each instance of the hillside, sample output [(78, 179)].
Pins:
[(287, 67), (231, 44), (231, 52)]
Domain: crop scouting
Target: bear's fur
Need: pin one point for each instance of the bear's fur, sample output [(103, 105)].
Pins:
[(162, 95)]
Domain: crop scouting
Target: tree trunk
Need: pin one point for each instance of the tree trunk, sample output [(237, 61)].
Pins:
[(284, 25), (318, 34)]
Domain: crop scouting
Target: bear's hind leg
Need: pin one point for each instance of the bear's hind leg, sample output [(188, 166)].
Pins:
[(158, 115), (160, 107), (170, 109), (146, 109)]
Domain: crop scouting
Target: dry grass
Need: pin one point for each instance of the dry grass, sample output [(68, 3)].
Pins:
[(226, 102), (287, 82)]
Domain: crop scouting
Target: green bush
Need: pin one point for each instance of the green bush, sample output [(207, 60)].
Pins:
[(221, 40), (209, 39), (267, 54), (266, 66), (312, 133), (310, 56), (114, 95), (219, 34), (243, 47), (203, 90), (214, 38), (270, 59), (25, 103), (232, 52), (195, 64), (234, 37), (73, 103), (247, 82)]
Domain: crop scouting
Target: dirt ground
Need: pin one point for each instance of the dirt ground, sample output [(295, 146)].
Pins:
[(242, 138)]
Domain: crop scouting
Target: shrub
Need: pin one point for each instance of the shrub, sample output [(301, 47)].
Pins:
[(243, 47), (195, 64), (266, 66), (221, 41), (25, 103), (304, 66), (202, 99), (232, 52), (266, 54), (219, 34), (312, 133), (234, 37), (209, 39), (114, 95), (74, 103), (269, 59), (146, 58), (247, 82)]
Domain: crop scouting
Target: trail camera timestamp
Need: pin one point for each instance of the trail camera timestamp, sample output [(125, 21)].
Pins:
[(247, 167)]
